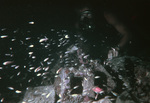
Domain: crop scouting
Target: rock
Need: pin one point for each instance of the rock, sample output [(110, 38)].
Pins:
[(104, 100), (124, 98), (41, 94)]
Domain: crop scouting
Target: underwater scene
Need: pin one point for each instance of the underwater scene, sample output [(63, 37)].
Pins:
[(74, 51)]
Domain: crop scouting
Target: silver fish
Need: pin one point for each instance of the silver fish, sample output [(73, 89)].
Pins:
[(43, 39), (8, 62), (18, 91), (37, 69), (4, 36), (11, 88)]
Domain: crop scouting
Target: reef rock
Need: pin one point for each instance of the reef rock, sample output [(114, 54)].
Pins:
[(41, 94)]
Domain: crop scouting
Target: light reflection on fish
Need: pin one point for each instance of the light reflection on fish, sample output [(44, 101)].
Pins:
[(75, 87), (39, 74), (8, 62), (18, 91), (11, 88), (37, 69), (2, 99), (18, 73), (43, 39), (114, 93), (4, 36), (46, 59), (96, 77)]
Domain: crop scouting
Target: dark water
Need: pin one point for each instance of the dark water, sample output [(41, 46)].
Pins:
[(27, 58), (32, 36)]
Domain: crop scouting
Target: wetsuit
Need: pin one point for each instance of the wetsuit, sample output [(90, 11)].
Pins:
[(100, 38)]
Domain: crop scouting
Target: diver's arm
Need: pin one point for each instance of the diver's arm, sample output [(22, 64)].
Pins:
[(120, 27)]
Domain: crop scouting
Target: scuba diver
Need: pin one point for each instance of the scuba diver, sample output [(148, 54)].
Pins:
[(104, 31)]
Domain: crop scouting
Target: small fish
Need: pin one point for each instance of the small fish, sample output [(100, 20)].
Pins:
[(4, 36), (10, 48), (46, 69), (60, 39), (16, 67), (52, 29), (28, 38), (58, 70), (42, 40), (18, 73), (31, 68), (86, 56), (11, 88), (2, 99), (43, 94), (120, 77), (114, 93), (74, 95), (31, 46), (31, 22), (13, 39), (13, 66), (126, 84), (8, 62), (97, 77), (21, 42), (39, 74), (46, 59), (75, 87), (60, 56), (18, 91), (8, 54), (45, 73), (3, 29), (59, 95), (37, 69), (30, 53), (52, 59), (85, 78), (15, 31), (59, 101), (48, 94), (66, 36), (147, 73), (29, 80), (112, 99), (107, 97)]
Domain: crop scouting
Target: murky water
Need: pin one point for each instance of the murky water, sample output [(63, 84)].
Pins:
[(31, 47), (27, 58)]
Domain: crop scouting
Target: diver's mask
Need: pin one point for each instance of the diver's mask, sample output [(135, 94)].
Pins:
[(86, 20)]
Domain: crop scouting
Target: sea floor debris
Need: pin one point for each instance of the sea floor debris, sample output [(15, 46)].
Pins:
[(137, 92), (123, 79)]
